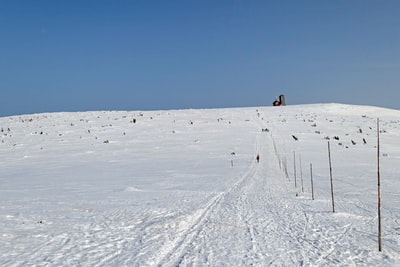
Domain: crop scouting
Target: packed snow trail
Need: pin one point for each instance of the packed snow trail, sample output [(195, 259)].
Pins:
[(256, 223), (236, 228)]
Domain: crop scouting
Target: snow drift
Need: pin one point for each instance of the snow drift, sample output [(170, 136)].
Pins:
[(183, 187)]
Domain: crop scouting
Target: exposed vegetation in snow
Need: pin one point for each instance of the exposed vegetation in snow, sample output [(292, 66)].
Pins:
[(184, 187)]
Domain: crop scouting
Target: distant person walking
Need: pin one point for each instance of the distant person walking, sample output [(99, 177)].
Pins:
[(258, 158)]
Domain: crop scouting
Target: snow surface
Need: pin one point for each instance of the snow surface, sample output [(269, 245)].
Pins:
[(183, 187)]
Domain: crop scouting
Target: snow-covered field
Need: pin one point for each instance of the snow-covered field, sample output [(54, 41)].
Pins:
[(183, 187)]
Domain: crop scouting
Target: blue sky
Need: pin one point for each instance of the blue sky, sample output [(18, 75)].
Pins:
[(149, 55)]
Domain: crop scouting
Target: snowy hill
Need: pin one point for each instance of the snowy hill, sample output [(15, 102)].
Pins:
[(183, 187)]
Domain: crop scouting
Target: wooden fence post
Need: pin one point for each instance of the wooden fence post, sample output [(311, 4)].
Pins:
[(301, 175), (285, 169), (312, 182), (379, 191), (294, 163), (330, 172)]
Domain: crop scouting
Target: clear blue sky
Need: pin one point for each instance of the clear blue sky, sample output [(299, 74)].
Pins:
[(70, 55)]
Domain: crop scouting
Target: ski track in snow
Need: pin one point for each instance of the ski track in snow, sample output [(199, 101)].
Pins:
[(252, 215)]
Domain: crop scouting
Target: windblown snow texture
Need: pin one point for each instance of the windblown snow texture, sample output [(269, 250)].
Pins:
[(183, 187)]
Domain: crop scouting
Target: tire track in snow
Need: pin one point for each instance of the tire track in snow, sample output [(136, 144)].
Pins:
[(174, 254), (244, 218)]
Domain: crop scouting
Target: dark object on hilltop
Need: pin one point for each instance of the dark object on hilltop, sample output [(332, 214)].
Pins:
[(280, 102)]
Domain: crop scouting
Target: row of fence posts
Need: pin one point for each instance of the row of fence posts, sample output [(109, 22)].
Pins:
[(283, 165)]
